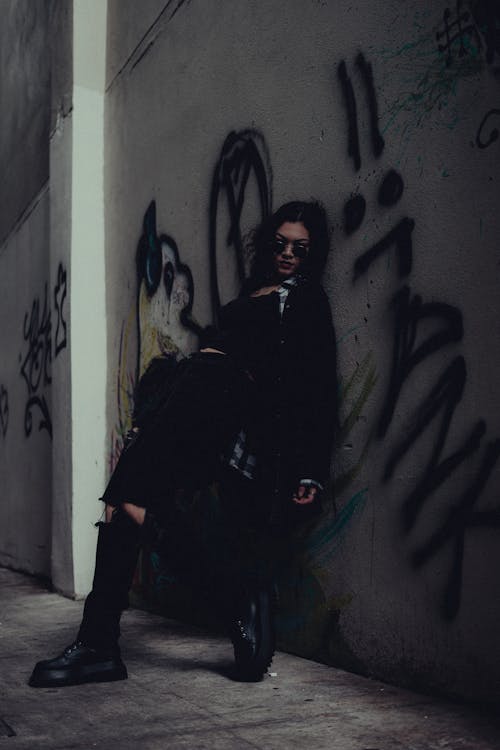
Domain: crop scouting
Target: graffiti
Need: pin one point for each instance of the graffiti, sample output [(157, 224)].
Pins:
[(350, 102), (421, 330), (391, 188), (37, 361), (35, 368), (59, 298), (4, 409), (243, 166), (487, 17), (353, 395), (125, 385), (161, 319), (430, 89), (486, 23), (390, 192), (243, 155), (455, 31), (165, 296), (400, 238), (162, 315), (408, 314), (354, 213), (352, 117), (493, 136), (324, 542), (461, 517), (163, 311)]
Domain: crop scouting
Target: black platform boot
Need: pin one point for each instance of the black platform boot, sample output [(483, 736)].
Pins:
[(95, 655), (253, 605), (253, 633)]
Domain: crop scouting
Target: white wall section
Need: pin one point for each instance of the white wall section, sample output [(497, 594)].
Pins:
[(88, 283)]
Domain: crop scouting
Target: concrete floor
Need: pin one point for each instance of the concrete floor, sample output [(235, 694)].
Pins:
[(179, 694)]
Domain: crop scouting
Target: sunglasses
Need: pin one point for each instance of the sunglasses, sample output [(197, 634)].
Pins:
[(299, 248)]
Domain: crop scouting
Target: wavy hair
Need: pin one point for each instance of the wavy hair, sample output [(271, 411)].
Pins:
[(313, 217)]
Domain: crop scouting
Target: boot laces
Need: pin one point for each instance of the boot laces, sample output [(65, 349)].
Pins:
[(74, 646)]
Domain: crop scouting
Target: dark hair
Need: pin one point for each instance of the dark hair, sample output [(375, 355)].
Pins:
[(313, 217)]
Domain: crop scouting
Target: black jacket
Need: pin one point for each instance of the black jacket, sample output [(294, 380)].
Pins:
[(290, 419), (292, 360), (303, 392)]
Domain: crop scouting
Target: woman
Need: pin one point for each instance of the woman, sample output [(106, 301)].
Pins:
[(255, 408)]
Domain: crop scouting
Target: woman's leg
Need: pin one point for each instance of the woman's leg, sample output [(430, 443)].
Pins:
[(181, 446), (95, 655), (250, 587), (135, 512)]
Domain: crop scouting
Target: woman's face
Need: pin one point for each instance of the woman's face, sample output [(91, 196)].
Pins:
[(290, 246)]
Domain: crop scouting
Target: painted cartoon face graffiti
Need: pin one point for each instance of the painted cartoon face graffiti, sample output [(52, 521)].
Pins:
[(165, 296), (160, 318)]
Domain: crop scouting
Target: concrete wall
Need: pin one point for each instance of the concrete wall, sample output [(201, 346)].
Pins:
[(388, 114), (61, 174), (26, 371), (383, 114), (27, 307), (25, 96), (53, 377)]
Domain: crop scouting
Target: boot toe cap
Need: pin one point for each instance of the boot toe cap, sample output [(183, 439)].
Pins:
[(78, 664)]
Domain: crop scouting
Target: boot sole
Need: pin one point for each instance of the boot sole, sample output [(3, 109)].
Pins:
[(252, 670), (106, 672)]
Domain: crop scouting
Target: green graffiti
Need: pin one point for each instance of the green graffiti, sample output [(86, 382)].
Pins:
[(429, 81), (363, 380), (366, 374), (325, 541)]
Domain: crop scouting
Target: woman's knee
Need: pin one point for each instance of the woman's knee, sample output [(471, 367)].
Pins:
[(135, 512)]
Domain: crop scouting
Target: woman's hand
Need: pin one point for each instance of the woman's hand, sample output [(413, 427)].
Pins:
[(305, 494)]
